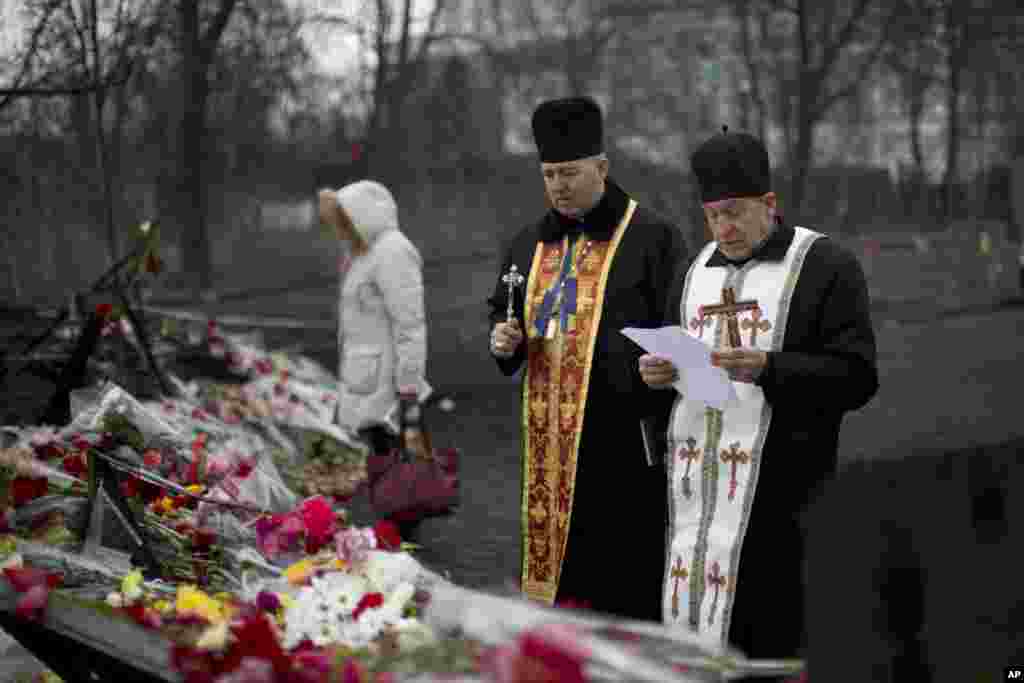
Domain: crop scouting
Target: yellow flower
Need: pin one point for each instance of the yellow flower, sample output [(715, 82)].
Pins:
[(299, 572), (215, 637), (162, 606), (195, 489), (166, 504), (191, 599), (286, 600), (131, 586)]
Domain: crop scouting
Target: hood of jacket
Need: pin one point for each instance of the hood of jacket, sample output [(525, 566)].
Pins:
[(371, 207)]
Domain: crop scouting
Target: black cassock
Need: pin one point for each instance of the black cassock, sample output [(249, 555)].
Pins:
[(827, 367), (614, 556)]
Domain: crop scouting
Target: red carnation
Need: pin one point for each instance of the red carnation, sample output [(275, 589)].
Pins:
[(388, 537), (255, 638), (152, 458), (368, 601)]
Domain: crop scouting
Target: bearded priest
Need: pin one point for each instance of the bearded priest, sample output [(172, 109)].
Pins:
[(786, 311), (593, 504)]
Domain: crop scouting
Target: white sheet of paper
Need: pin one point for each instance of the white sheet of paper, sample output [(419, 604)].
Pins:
[(698, 379)]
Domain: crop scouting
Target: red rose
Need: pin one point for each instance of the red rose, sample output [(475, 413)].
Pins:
[(75, 465), (203, 538), (130, 487), (103, 311), (388, 537), (244, 469), (25, 489)]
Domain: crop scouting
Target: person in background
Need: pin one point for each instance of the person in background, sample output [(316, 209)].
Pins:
[(382, 329)]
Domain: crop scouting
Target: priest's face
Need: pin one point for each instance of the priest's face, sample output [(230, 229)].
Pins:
[(740, 225), (575, 187)]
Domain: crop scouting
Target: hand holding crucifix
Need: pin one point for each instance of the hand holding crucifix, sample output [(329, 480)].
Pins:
[(514, 279)]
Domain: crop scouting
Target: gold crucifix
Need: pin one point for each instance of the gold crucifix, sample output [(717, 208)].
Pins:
[(678, 572), (729, 307)]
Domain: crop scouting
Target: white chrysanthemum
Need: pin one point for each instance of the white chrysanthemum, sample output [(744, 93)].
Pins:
[(320, 611), (386, 571)]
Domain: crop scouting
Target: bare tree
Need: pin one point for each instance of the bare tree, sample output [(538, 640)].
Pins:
[(197, 45), (68, 54), (386, 29)]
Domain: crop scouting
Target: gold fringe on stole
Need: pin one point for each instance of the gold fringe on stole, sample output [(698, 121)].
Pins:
[(540, 578)]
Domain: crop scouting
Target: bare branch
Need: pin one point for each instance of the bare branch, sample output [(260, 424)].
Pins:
[(834, 48), (209, 40), (35, 91)]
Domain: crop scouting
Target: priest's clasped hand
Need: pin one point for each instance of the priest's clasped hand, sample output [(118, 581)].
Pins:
[(505, 339), (742, 365), (657, 372)]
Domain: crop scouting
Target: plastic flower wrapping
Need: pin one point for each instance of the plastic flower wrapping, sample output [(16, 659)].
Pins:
[(262, 578)]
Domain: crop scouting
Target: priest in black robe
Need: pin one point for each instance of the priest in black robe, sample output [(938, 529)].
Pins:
[(787, 313), (593, 505)]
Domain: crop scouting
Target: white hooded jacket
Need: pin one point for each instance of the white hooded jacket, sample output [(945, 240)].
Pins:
[(382, 331)]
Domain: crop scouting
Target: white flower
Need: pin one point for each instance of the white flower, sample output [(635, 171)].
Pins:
[(413, 633), (115, 600), (387, 570)]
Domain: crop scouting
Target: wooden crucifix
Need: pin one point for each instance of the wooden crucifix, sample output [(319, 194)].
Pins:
[(679, 573), (734, 456), (729, 307)]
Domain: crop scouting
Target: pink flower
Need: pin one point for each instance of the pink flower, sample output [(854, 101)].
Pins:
[(43, 436), (264, 366), (251, 670), (355, 544), (217, 466), (268, 602)]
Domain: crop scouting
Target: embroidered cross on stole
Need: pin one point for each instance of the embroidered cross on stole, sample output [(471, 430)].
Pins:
[(554, 397)]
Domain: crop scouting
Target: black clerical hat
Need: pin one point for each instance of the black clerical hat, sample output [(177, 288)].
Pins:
[(568, 129), (732, 165)]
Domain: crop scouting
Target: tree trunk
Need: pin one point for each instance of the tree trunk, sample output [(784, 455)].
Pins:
[(805, 115), (955, 66), (190, 198)]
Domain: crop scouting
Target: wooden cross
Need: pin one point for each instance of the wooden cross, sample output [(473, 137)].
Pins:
[(729, 307), (734, 456), (513, 279), (754, 324), (678, 573), (689, 455), (716, 579)]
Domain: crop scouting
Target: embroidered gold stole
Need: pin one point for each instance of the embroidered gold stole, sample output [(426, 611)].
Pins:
[(554, 397)]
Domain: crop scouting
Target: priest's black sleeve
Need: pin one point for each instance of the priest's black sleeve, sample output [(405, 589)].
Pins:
[(517, 250), (835, 366)]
